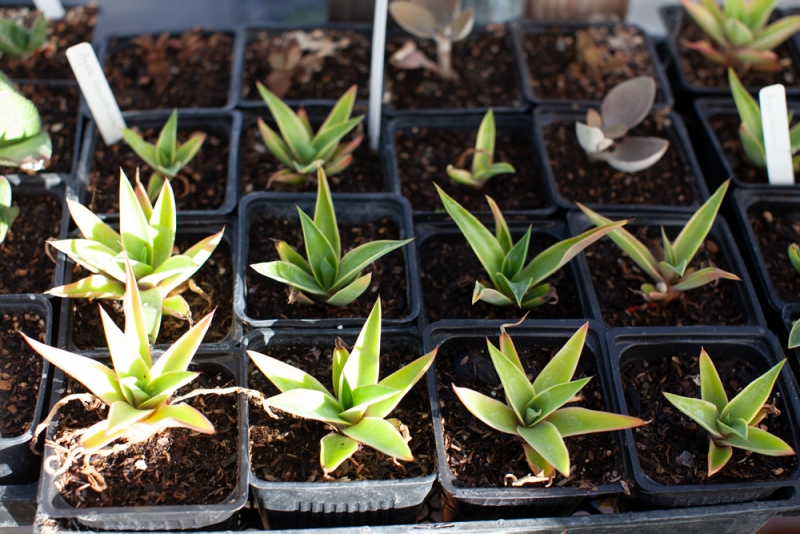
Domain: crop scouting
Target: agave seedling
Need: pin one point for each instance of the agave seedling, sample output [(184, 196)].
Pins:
[(147, 237), (534, 411), (8, 213), (740, 33), (302, 151), (625, 106), (673, 274), (483, 166), (16, 40), (441, 20), (515, 283), (324, 274), (360, 403), (167, 157), (23, 142), (731, 423), (137, 391)]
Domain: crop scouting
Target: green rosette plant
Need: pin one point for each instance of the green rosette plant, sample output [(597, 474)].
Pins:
[(8, 212), (23, 142), (483, 165), (731, 423), (534, 412), (357, 409), (17, 41)]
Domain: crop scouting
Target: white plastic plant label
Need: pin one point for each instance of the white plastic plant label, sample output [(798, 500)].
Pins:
[(97, 92), (777, 146), (376, 72), (52, 9)]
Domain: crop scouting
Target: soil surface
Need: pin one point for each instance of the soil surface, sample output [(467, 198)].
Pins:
[(662, 445), (268, 299), (20, 371), (58, 109), (775, 231), (215, 278), (424, 153), (163, 72), (200, 185), (449, 269), (176, 466), (670, 182), (480, 456), (484, 61), (288, 449), (556, 73), (257, 165), (347, 65), (26, 265), (50, 61), (617, 279)]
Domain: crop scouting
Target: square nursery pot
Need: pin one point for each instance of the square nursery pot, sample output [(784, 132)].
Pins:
[(225, 368), (448, 269), (209, 191), (551, 74), (417, 151), (348, 65), (260, 302), (615, 278), (463, 441), (80, 327), (674, 184), (26, 388), (315, 504), (740, 355), (488, 73)]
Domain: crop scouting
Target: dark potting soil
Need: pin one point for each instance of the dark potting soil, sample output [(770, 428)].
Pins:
[(176, 466), (616, 280), (26, 265), (485, 65), (257, 164), (670, 182), (288, 449), (480, 456), (215, 278), (775, 231), (424, 153), (661, 443), (347, 65), (162, 71), (20, 371), (58, 109), (556, 73), (268, 299), (449, 269), (200, 185), (50, 61)]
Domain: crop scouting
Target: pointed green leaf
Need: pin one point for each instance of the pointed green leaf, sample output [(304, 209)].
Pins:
[(382, 436), (275, 144), (696, 230), (362, 256), (553, 398), (669, 253), (348, 294), (176, 306), (341, 110), (290, 255), (491, 411), (539, 296), (561, 368), (284, 376), (121, 415), (776, 33), (174, 266), (749, 111), (517, 289), (577, 421), (736, 426), (181, 416), (501, 228), (546, 441), (794, 335), (794, 256), (188, 150), (484, 144), (401, 380), (325, 215), (326, 142), (169, 383), (178, 356), (490, 296), (167, 144), (462, 176), (318, 248), (92, 228), (671, 272), (335, 449), (133, 226), (494, 170), (309, 404), (292, 129), (90, 254), (753, 147), (711, 388), (290, 274), (718, 456), (749, 401), (126, 359), (738, 33), (759, 441), (517, 388), (96, 286), (143, 149), (702, 412), (758, 13), (163, 224), (340, 356), (136, 322), (704, 18), (515, 259), (363, 365)]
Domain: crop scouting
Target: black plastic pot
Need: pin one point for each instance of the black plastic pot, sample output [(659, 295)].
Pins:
[(521, 125), (520, 30), (676, 135), (351, 209), (18, 505), (754, 346), (18, 465), (224, 124)]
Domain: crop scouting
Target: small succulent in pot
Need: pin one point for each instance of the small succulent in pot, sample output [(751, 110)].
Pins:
[(515, 282), (167, 157), (483, 165), (8, 212), (17, 41), (732, 423), (739, 34), (23, 141), (299, 148), (358, 407), (534, 411), (441, 20), (624, 107), (593, 58), (672, 275), (324, 275)]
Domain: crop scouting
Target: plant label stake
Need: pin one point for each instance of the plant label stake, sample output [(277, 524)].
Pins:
[(52, 9), (97, 92), (376, 71), (777, 146)]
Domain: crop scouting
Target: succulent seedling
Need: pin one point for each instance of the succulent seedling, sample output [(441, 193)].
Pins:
[(483, 165), (8, 213), (23, 141), (16, 40)]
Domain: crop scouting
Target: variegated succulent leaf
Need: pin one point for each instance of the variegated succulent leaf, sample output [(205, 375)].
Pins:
[(23, 142), (483, 165), (17, 41), (8, 212)]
